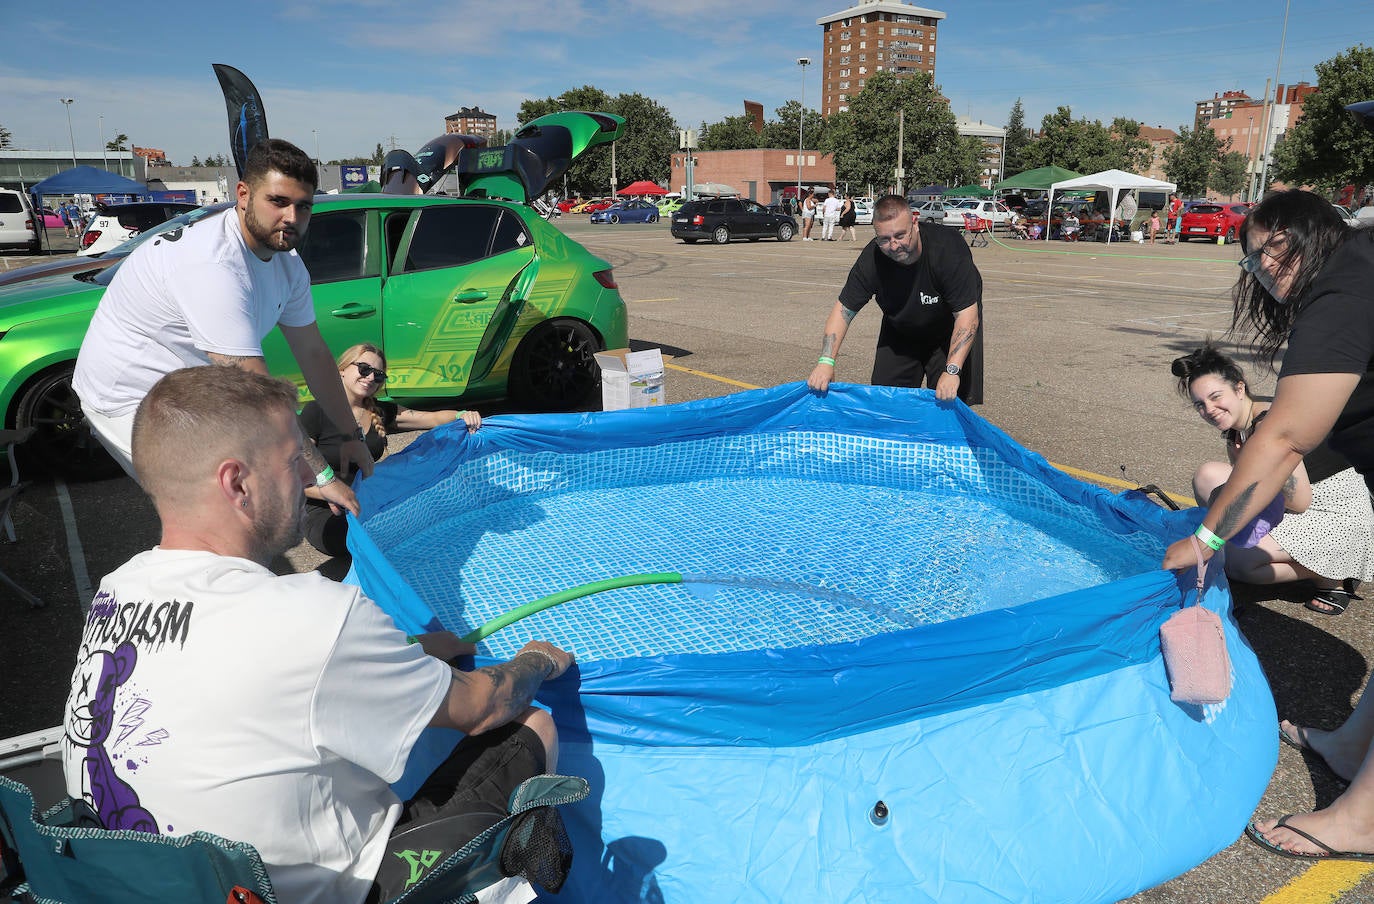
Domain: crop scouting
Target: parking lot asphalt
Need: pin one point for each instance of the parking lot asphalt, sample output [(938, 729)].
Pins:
[(1078, 345)]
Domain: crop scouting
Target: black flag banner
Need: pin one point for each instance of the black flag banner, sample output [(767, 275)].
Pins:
[(247, 119)]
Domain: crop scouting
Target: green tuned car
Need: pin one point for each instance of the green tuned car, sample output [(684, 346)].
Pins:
[(472, 300)]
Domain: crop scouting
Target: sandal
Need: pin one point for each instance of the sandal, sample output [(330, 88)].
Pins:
[(1334, 600)]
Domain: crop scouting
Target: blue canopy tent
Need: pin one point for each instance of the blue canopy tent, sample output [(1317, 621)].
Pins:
[(87, 180)]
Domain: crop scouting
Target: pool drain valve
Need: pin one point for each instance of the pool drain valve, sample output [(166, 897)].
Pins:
[(878, 815)]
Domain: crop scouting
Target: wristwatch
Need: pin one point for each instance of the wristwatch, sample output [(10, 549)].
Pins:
[(952, 369)]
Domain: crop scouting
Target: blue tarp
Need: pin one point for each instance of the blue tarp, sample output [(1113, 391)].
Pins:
[(1024, 753)]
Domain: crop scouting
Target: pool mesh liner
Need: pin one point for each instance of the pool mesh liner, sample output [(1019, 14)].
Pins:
[(788, 539)]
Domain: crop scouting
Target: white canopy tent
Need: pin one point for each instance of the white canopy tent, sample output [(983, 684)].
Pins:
[(1113, 180)]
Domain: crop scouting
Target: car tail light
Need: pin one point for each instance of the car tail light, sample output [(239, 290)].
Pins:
[(606, 278), (698, 220), (89, 238)]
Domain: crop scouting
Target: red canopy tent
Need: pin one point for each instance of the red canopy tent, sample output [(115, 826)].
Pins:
[(642, 187)]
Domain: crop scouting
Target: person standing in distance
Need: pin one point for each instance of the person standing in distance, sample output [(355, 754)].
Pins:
[(208, 293), (931, 294)]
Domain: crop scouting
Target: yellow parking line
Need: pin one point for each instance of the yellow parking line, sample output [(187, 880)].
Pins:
[(1073, 472), (1323, 883)]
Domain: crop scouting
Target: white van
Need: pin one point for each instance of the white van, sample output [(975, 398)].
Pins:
[(16, 221)]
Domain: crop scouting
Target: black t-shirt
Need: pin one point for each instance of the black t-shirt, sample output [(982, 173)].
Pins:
[(327, 437), (918, 300), (1334, 334)]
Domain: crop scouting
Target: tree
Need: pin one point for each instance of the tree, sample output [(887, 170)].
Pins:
[(863, 139), (378, 156), (781, 133), (500, 138), (643, 152), (6, 138), (117, 143), (1191, 160), (1325, 148), (195, 161), (1228, 175), (1086, 146), (1018, 136), (732, 133)]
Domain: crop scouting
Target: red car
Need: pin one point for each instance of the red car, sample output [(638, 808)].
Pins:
[(598, 204), (1213, 219)]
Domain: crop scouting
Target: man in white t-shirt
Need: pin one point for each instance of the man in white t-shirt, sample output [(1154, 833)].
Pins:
[(208, 294), (830, 215), (211, 694)]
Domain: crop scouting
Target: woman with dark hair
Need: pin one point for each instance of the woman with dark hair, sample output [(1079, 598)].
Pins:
[(1307, 281), (362, 368), (1327, 533)]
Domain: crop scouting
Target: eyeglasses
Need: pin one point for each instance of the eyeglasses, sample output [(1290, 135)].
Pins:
[(1250, 263), (366, 370)]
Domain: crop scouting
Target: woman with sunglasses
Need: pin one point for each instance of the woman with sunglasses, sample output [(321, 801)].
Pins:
[(1308, 281), (1327, 535), (362, 369)]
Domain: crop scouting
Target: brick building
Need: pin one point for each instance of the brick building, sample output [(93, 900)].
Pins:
[(471, 121), (1243, 124), (763, 174), (1218, 106), (1160, 139), (873, 36)]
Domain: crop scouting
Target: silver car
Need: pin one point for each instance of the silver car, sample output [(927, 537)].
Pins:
[(931, 211)]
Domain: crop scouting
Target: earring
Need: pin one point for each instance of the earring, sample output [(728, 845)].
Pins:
[(244, 503)]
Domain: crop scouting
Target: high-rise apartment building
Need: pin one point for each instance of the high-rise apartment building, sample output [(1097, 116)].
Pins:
[(471, 121), (873, 36)]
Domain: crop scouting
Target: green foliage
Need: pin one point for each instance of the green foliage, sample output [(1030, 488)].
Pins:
[(117, 143), (1018, 136), (1325, 148), (733, 133), (863, 139), (1228, 174), (1191, 160), (1085, 146), (643, 152), (781, 133)]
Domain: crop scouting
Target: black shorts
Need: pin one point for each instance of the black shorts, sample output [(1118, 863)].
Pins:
[(900, 362)]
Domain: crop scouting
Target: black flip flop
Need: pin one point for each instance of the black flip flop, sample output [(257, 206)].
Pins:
[(1257, 837), (1338, 598), (1298, 740)]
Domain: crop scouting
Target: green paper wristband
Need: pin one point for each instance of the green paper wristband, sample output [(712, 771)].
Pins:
[(325, 476), (825, 360), (1212, 541)]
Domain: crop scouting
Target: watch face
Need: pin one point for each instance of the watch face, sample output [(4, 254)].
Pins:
[(952, 369)]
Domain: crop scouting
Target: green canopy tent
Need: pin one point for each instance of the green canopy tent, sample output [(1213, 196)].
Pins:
[(969, 191), (1038, 179)]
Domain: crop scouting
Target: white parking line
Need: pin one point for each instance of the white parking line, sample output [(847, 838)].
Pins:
[(75, 553)]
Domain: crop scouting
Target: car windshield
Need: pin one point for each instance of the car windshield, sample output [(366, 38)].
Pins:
[(124, 248)]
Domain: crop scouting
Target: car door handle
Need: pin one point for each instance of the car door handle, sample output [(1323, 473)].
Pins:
[(353, 310), (468, 296)]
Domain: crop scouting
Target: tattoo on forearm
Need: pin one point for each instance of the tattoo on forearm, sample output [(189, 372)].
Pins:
[(310, 452), (1231, 517), (960, 339), (828, 346), (514, 683), (847, 314)]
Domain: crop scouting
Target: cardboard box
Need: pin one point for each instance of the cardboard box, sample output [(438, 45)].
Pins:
[(631, 379)]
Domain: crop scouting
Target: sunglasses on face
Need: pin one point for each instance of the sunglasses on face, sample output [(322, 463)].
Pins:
[(366, 370)]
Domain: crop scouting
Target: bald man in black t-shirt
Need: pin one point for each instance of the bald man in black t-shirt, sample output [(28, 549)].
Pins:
[(924, 280)]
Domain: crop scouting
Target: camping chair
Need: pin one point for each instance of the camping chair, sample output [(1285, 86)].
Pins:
[(977, 229), (61, 856), (11, 439)]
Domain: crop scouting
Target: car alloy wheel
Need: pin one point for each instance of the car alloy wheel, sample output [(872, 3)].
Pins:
[(785, 232), (615, 218), (63, 442), (555, 366), (721, 236)]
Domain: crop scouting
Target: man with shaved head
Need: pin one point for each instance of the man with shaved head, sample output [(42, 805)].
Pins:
[(211, 694), (931, 296)]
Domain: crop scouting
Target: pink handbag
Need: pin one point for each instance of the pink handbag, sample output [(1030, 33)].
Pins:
[(1194, 647)]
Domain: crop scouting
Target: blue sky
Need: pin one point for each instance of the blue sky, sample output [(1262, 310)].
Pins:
[(350, 73)]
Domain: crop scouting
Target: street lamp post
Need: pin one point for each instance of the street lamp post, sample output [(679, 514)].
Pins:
[(317, 145), (1249, 161), (1269, 120), (67, 102), (803, 62), (104, 155)]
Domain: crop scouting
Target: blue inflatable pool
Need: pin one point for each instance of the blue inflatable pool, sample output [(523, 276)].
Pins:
[(910, 662)]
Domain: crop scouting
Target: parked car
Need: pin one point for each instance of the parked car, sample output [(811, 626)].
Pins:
[(584, 205), (723, 219), (1211, 220), (931, 212), (472, 300), (632, 211), (598, 204), (52, 219), (995, 211), (669, 206), (115, 224), (16, 221), (1015, 202), (567, 204), (863, 211)]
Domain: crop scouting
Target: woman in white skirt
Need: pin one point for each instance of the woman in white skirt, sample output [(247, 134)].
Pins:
[(1326, 535)]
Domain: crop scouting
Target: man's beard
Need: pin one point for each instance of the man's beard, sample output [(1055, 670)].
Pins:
[(275, 240), (277, 528)]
